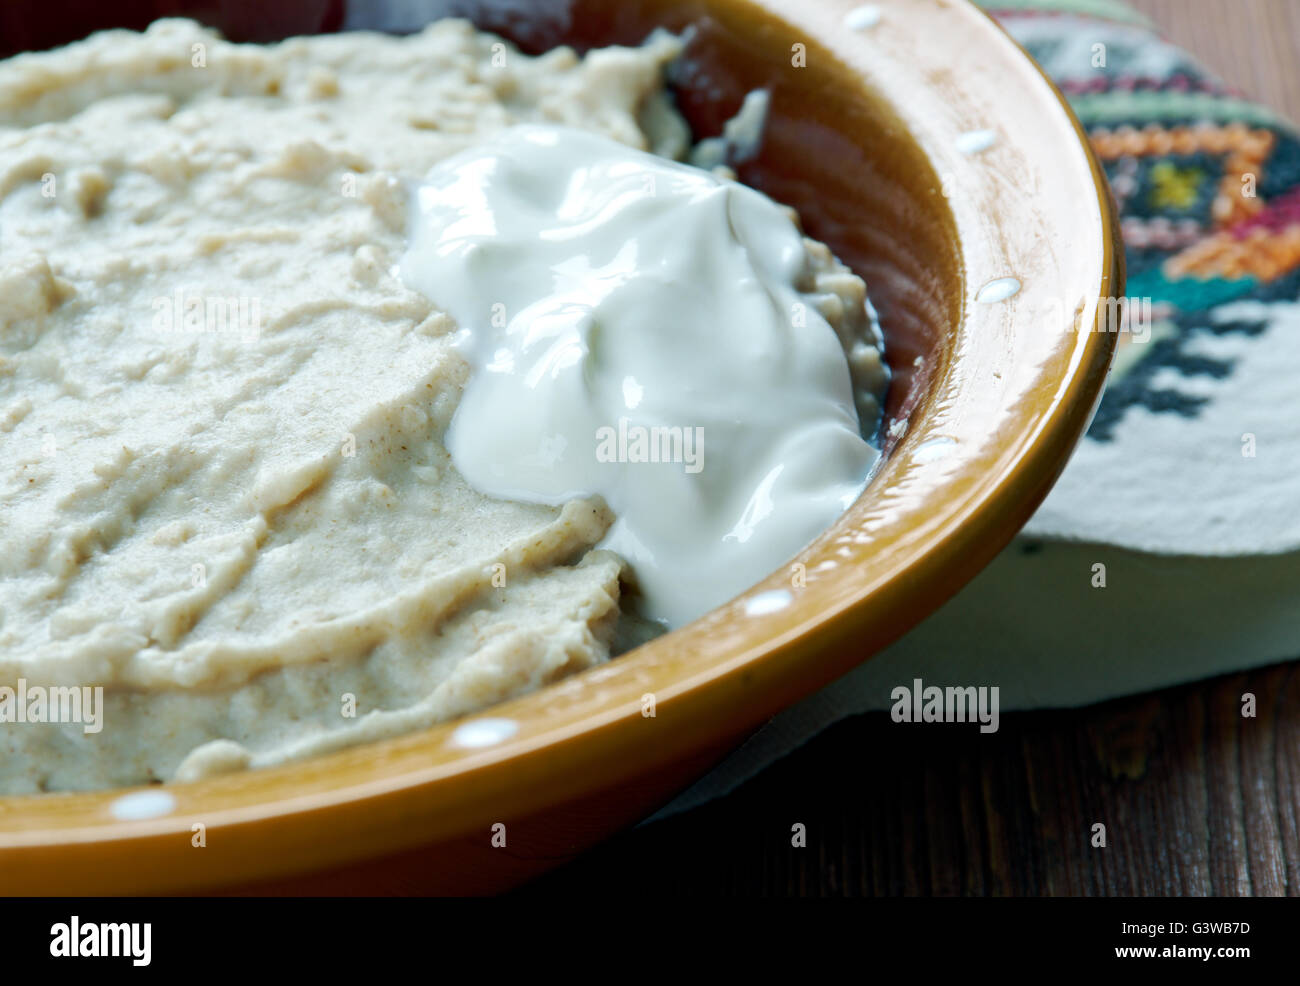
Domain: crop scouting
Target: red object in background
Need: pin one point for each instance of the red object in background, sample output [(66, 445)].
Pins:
[(32, 25)]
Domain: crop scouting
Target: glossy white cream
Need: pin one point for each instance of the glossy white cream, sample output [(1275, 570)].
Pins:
[(655, 334)]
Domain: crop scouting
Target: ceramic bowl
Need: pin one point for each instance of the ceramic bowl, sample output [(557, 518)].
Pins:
[(921, 144)]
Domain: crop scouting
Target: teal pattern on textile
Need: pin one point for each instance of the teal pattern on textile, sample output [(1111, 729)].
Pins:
[(1207, 182)]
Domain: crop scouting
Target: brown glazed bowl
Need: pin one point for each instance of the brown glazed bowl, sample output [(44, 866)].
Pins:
[(932, 156)]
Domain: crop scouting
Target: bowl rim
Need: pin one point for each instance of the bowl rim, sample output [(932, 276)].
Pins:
[(574, 738)]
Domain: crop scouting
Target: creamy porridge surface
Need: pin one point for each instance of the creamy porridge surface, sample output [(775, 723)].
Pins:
[(226, 498)]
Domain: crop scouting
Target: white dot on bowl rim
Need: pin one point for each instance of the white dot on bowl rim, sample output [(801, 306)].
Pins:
[(140, 805), (974, 141), (934, 448), (771, 601), (862, 18), (483, 732), (999, 289)]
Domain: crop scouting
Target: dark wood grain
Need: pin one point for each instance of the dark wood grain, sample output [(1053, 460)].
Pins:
[(1195, 798)]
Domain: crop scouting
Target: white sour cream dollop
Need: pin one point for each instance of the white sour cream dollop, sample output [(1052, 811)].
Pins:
[(619, 308)]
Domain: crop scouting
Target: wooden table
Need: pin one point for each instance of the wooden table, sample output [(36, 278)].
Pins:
[(1195, 799), (1253, 44)]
